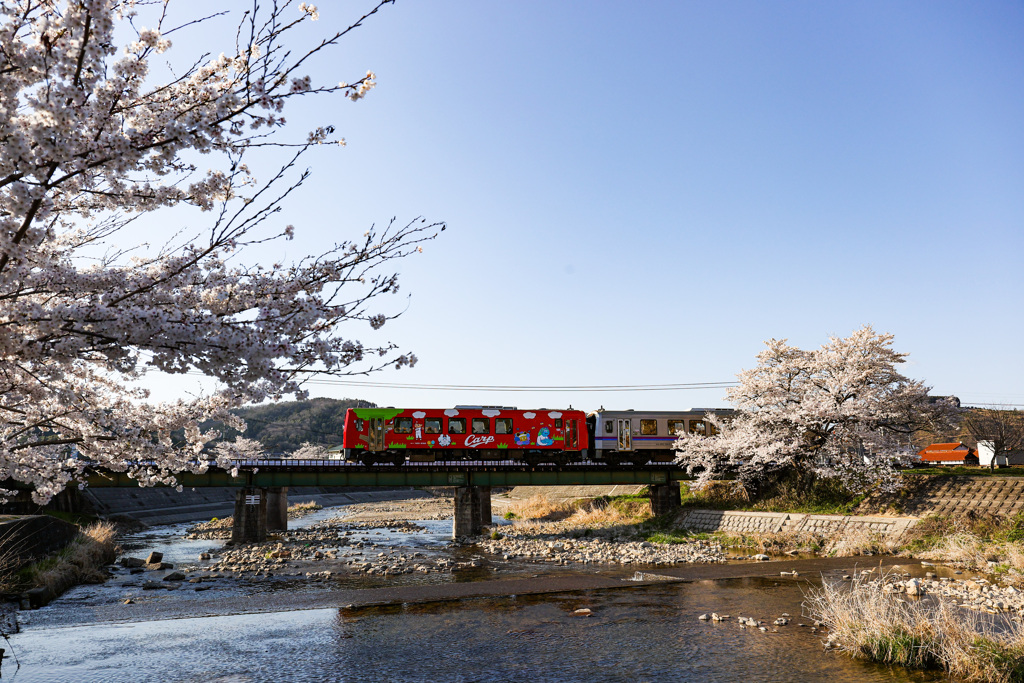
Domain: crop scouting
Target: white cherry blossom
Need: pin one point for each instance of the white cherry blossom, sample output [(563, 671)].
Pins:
[(90, 144), (841, 411)]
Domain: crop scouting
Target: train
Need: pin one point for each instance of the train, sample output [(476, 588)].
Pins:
[(376, 436)]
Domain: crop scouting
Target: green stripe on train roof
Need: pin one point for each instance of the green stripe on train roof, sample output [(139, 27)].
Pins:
[(367, 413)]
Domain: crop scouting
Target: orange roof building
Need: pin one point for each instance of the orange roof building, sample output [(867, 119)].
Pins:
[(949, 454)]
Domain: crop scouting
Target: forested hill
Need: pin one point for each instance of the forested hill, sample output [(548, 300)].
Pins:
[(282, 427)]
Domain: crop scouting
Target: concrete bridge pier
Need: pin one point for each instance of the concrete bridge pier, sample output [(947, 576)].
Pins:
[(277, 508), (665, 498), (472, 510), (250, 522), (485, 505)]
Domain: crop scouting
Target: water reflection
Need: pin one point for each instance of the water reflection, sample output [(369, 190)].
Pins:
[(638, 634)]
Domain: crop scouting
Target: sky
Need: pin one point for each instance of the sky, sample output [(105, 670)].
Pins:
[(643, 193)]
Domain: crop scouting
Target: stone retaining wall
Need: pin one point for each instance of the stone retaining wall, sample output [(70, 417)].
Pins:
[(945, 495), (739, 522)]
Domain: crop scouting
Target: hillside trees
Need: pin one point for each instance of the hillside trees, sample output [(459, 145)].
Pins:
[(92, 143), (841, 411), (284, 426)]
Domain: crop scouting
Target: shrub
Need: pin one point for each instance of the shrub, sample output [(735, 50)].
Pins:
[(866, 621), (82, 561)]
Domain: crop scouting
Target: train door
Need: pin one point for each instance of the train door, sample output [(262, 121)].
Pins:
[(571, 438), (376, 441), (625, 435)]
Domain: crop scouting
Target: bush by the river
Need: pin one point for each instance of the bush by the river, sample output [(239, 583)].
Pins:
[(868, 620)]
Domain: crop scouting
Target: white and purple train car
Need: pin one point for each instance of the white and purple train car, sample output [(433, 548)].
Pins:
[(640, 437)]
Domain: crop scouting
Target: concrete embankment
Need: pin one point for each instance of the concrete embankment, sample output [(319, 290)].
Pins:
[(23, 539), (168, 506), (925, 494), (740, 522)]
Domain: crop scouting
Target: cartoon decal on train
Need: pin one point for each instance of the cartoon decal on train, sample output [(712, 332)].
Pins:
[(479, 433), (395, 435)]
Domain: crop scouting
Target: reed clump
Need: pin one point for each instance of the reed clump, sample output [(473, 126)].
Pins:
[(300, 509), (971, 540), (866, 620), (82, 561)]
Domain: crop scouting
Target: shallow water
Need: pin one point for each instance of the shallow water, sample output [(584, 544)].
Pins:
[(639, 634), (635, 634)]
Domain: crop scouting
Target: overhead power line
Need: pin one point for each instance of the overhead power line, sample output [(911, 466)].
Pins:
[(515, 387), (683, 386)]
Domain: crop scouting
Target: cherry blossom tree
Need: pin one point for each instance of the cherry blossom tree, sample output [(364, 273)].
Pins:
[(91, 144), (309, 451), (241, 448), (842, 411)]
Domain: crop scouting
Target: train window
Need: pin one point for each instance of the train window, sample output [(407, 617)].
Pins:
[(503, 425), (648, 427), (558, 423), (676, 426), (697, 427), (712, 429), (609, 427), (359, 424), (403, 425), (481, 425), (432, 425), (456, 425)]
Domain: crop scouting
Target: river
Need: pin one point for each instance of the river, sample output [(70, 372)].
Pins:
[(643, 633)]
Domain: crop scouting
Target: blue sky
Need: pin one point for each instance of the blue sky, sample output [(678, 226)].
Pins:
[(643, 193)]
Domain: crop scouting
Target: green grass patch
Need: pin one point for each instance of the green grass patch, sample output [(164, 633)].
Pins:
[(900, 647), (1004, 659), (673, 537)]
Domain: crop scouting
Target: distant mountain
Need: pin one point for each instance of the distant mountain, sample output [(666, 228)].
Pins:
[(282, 427)]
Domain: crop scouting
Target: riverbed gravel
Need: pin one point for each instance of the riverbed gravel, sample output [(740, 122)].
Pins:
[(975, 593), (351, 544), (535, 543)]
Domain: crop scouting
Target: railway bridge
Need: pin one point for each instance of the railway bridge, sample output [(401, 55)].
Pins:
[(261, 502)]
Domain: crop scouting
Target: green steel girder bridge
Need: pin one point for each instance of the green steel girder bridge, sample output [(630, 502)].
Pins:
[(273, 473), (261, 503)]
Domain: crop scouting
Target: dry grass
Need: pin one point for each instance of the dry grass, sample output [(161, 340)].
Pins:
[(971, 541), (617, 511), (867, 622), (718, 494), (585, 513), (539, 508), (853, 542), (82, 561), (302, 509), (9, 565), (308, 506), (962, 549), (850, 543)]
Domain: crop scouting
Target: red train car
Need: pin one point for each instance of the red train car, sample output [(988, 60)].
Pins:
[(395, 435)]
